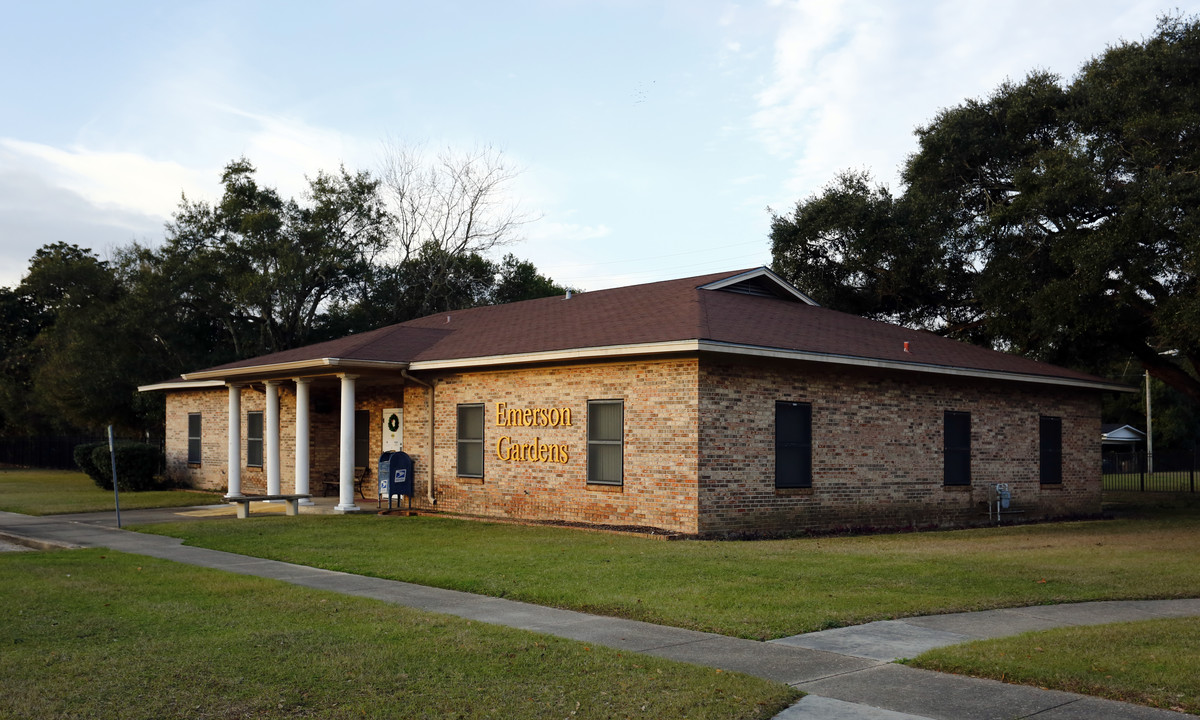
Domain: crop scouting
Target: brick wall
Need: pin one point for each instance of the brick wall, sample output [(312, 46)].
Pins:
[(659, 486), (214, 433), (877, 448)]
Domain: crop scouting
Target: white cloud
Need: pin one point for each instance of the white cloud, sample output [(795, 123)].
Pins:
[(830, 94), (850, 81), (286, 149), (104, 198), (34, 213), (122, 180)]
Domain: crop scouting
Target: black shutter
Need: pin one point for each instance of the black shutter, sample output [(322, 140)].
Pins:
[(1050, 450), (793, 445), (194, 447), (362, 438), (957, 468)]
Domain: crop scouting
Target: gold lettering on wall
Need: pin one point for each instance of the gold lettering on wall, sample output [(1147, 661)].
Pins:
[(536, 451), (532, 417), (511, 451)]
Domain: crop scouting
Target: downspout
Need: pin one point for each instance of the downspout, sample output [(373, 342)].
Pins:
[(404, 374)]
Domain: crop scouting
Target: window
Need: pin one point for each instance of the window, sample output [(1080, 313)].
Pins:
[(793, 445), (1050, 450), (957, 469), (606, 442), (194, 452), (254, 439), (362, 438), (470, 441)]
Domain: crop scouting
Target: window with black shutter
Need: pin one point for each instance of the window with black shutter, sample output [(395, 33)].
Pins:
[(1050, 450), (957, 470), (254, 439), (193, 447), (793, 445)]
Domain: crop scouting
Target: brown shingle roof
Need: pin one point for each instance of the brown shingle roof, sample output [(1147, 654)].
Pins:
[(661, 312)]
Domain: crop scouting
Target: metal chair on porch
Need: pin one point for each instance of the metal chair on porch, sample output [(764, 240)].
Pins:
[(332, 482)]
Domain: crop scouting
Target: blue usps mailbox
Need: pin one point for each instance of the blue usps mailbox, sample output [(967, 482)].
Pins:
[(385, 474), (395, 476)]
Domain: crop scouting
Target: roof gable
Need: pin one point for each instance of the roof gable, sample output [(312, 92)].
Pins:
[(1121, 434), (760, 282)]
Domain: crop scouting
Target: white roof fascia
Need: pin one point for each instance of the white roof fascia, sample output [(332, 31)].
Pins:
[(181, 385), (320, 365), (761, 272)]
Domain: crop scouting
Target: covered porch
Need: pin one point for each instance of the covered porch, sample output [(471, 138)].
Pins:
[(326, 419)]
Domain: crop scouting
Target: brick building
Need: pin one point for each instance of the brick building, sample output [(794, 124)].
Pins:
[(703, 405)]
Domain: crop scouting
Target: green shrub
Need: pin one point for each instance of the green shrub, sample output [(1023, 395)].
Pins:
[(137, 464), (83, 458)]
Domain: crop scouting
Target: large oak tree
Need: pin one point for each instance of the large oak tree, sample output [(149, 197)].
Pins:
[(1057, 220)]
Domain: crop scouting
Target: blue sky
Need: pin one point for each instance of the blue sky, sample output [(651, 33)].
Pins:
[(652, 136)]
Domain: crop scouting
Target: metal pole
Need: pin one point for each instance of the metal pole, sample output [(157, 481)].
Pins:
[(112, 454), (1149, 431)]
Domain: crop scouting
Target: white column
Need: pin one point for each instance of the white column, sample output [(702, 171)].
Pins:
[(302, 425), (271, 420), (346, 467), (233, 463)]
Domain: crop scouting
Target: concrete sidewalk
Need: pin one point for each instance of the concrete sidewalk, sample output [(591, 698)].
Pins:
[(848, 672)]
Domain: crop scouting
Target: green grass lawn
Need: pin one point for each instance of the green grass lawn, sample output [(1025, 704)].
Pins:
[(762, 589), (53, 492), (100, 634), (1156, 662)]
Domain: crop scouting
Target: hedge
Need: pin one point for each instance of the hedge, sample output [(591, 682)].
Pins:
[(137, 464), (83, 458)]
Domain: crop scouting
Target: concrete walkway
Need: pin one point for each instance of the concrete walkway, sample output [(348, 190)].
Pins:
[(848, 672)]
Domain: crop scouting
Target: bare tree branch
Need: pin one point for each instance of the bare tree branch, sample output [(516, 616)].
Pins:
[(456, 201)]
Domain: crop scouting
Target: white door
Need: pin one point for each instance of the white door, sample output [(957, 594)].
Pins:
[(393, 429)]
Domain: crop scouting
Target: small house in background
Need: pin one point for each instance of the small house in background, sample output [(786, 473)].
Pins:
[(1123, 449), (1121, 438), (713, 404)]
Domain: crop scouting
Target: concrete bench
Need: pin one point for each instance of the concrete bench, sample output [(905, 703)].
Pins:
[(243, 502)]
